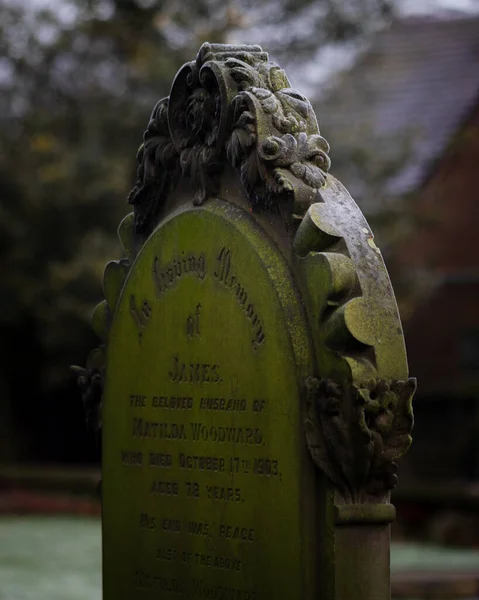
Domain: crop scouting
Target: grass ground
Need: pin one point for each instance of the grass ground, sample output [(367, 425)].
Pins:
[(58, 558)]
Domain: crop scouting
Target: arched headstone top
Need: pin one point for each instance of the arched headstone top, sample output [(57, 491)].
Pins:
[(231, 105)]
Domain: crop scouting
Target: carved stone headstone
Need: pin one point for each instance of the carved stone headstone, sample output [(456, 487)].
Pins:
[(252, 366)]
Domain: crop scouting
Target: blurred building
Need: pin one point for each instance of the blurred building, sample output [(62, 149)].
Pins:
[(415, 92)]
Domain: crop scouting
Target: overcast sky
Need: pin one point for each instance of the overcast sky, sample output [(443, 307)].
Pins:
[(328, 60), (406, 7)]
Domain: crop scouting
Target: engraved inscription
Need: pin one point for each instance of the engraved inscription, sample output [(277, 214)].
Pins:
[(259, 405), (201, 589), (161, 461), (212, 428), (131, 458), (172, 525), (201, 463), (203, 443), (223, 494), (229, 435), (223, 275), (198, 528), (265, 466), (223, 404), (147, 521), (231, 532), (164, 488), (148, 581), (166, 554), (192, 489), (172, 402), (193, 323), (193, 372), (165, 276), (211, 561), (198, 432), (153, 429), (137, 401), (197, 588)]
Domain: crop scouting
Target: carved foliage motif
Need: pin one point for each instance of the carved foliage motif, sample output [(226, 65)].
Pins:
[(91, 378), (355, 434), (287, 154), (231, 104), (90, 382), (158, 169)]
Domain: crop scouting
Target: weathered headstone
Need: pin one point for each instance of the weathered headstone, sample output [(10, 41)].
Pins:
[(253, 370)]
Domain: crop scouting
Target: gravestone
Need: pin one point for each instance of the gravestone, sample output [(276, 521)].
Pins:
[(251, 384)]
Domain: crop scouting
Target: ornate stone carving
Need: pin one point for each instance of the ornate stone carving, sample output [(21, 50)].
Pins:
[(158, 170), (276, 144), (231, 104), (90, 382), (355, 433)]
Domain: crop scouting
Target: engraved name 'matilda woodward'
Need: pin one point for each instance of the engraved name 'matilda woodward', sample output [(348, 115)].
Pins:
[(166, 276)]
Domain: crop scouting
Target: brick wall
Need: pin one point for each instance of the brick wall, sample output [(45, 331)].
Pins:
[(442, 332)]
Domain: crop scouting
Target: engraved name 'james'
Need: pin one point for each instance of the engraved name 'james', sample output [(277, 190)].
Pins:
[(165, 276), (182, 372), (224, 275)]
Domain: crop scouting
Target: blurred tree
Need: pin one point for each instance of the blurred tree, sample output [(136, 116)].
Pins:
[(77, 82)]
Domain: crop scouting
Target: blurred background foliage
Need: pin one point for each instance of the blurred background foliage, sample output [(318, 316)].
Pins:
[(78, 80)]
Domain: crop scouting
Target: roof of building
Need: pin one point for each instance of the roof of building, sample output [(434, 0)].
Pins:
[(421, 75)]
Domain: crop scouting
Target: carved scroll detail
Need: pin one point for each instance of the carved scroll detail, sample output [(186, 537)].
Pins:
[(230, 104), (275, 143), (356, 433), (158, 170)]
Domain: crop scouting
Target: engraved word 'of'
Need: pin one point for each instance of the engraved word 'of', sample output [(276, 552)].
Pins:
[(193, 323)]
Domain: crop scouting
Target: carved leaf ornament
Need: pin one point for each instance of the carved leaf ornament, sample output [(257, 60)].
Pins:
[(355, 434), (231, 105)]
